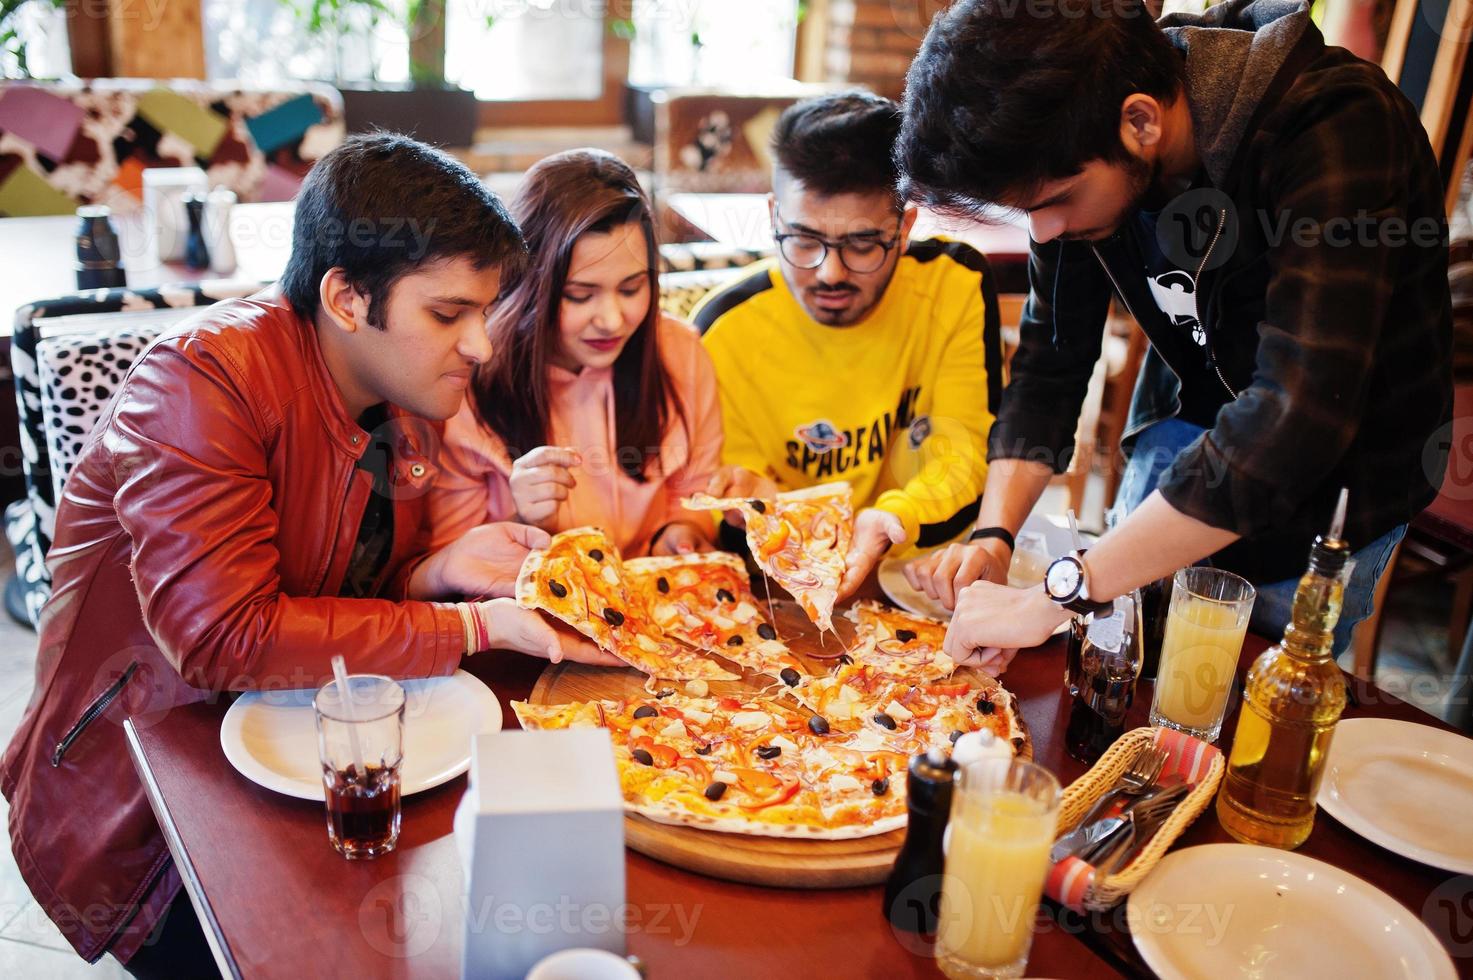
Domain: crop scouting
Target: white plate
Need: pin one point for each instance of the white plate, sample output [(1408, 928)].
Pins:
[(271, 737), (1381, 779), (1237, 910), (1053, 530)]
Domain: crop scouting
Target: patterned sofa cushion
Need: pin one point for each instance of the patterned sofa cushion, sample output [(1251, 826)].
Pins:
[(68, 354), (681, 291), (88, 142), (79, 374), (693, 256)]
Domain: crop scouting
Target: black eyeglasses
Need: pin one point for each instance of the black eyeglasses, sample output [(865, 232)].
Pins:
[(807, 251)]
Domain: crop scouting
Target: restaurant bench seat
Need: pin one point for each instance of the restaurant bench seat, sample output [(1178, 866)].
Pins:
[(89, 141)]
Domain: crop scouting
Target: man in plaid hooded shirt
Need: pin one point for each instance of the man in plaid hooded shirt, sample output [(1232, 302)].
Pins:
[(1269, 209)]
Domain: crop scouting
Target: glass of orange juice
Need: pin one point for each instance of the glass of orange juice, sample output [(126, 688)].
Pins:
[(1199, 653), (1003, 815)]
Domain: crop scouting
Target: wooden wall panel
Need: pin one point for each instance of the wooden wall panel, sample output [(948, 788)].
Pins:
[(156, 38)]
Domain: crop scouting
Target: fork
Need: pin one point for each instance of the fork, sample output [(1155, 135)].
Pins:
[(1141, 775), (1142, 820)]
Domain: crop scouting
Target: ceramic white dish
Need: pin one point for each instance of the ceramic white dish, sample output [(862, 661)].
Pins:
[(1404, 786), (1225, 911), (270, 737)]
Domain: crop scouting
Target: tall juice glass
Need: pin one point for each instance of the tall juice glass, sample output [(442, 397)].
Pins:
[(1003, 815), (1199, 654)]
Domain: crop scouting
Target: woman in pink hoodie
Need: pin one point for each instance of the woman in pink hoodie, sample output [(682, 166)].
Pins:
[(595, 407)]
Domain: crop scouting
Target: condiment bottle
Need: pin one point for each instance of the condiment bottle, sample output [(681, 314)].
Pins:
[(1292, 698), (913, 890), (1103, 666), (98, 252), (196, 250)]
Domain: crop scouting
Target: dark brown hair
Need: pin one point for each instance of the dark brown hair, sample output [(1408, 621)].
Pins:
[(381, 205), (566, 196)]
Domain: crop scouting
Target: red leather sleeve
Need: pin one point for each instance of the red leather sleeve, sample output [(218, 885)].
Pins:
[(195, 497)]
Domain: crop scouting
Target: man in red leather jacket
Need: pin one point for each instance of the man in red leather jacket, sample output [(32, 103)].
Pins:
[(252, 503)]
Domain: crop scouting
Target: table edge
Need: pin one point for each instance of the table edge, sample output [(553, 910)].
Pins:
[(219, 945)]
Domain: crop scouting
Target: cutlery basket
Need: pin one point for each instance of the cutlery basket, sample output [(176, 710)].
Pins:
[(1075, 883)]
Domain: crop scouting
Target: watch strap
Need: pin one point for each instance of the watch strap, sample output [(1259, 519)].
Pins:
[(1000, 533)]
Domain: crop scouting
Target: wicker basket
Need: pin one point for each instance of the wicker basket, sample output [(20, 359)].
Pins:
[(1075, 883)]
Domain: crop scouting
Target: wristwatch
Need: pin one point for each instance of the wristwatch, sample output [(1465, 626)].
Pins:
[(1067, 583)]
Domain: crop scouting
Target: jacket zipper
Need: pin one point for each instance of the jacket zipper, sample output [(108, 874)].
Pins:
[(1196, 296), (94, 710), (337, 525)]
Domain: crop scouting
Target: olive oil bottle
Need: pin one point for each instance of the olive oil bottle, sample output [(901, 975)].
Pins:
[(1292, 697)]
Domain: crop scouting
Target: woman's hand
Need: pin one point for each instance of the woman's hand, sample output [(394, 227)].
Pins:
[(540, 481), (680, 538)]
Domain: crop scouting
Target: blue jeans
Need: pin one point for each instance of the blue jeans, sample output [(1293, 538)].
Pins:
[(1154, 450)]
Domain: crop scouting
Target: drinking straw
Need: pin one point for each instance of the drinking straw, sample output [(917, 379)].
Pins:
[(340, 672)]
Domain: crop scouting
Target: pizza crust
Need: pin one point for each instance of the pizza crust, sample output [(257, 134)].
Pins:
[(674, 815)]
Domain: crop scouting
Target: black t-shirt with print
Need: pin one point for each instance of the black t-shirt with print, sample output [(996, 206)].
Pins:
[(1174, 289), (376, 532)]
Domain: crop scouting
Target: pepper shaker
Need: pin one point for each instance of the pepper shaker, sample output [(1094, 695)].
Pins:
[(913, 890), (196, 251)]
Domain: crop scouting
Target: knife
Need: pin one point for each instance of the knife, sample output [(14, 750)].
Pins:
[(1081, 838)]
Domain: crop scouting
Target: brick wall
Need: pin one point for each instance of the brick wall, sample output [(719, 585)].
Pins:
[(872, 42)]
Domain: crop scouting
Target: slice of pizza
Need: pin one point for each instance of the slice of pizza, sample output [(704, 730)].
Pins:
[(705, 600), (579, 578), (800, 538), (860, 701), (858, 779), (904, 646), (723, 764)]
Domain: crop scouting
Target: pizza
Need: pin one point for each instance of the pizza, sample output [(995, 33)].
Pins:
[(912, 715), (800, 538), (737, 766), (579, 578), (763, 765), (898, 643), (706, 601)]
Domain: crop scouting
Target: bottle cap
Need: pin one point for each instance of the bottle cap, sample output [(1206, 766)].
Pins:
[(1331, 551)]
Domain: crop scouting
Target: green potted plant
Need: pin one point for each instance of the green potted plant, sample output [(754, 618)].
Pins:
[(12, 45), (427, 107)]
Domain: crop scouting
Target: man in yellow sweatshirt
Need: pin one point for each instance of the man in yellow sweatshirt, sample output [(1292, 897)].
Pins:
[(856, 354)]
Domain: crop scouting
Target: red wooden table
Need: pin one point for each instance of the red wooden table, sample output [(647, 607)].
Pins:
[(281, 902)]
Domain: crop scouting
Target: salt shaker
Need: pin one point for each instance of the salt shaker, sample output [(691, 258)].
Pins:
[(217, 230)]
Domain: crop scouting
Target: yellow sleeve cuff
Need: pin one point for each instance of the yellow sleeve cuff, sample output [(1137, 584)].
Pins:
[(898, 503)]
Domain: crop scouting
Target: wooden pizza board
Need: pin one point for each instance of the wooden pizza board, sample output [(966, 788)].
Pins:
[(776, 861)]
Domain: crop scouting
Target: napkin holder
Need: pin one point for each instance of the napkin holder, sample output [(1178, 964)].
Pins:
[(541, 838), (1078, 884), (166, 225)]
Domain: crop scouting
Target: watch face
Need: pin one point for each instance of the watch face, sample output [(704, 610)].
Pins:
[(1062, 580)]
